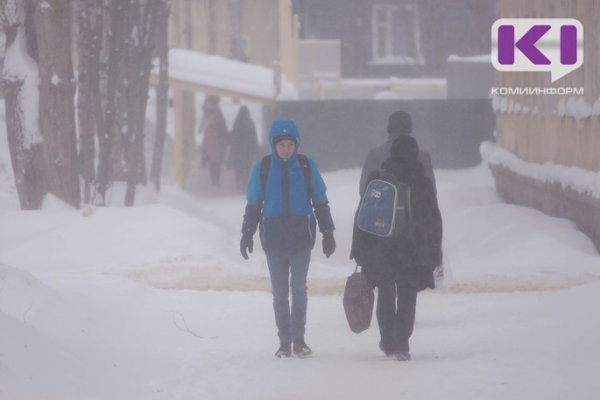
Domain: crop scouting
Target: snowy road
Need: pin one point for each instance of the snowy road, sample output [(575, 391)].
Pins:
[(122, 304), (104, 337)]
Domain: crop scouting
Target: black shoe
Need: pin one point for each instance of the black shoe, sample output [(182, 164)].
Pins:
[(301, 349), (285, 350), (386, 350), (402, 356)]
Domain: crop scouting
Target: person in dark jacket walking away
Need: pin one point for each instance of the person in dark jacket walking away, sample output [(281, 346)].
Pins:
[(400, 267), (214, 144), (282, 193), (399, 124), (243, 147)]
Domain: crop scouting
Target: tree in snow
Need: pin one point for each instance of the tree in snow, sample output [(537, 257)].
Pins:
[(57, 91), (19, 84), (162, 92), (90, 17), (38, 87), (115, 43), (131, 39)]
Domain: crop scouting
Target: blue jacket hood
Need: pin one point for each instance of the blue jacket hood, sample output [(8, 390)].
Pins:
[(283, 127)]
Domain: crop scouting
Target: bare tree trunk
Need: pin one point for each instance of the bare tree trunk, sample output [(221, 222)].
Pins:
[(26, 160), (140, 66), (57, 89), (89, 44), (162, 93), (19, 85), (118, 20)]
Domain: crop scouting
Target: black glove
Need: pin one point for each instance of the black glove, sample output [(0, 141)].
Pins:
[(328, 244), (323, 215), (251, 219), (246, 244)]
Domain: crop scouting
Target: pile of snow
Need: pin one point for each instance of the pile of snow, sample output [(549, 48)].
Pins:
[(84, 338), (482, 58), (576, 178), (19, 67), (105, 239), (576, 107)]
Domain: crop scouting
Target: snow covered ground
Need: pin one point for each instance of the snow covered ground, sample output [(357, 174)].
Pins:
[(155, 302)]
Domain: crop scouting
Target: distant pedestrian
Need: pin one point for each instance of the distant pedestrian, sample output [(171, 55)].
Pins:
[(243, 147), (214, 144), (401, 266), (286, 199), (399, 124)]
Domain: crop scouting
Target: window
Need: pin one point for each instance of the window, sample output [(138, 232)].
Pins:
[(396, 35)]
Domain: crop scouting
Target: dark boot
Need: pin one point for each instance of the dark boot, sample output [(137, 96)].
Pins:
[(402, 356), (301, 349), (285, 350), (387, 350)]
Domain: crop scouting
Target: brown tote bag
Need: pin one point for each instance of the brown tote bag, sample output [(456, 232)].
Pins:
[(358, 301)]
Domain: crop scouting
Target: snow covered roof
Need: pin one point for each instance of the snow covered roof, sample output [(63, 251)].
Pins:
[(483, 58), (195, 71)]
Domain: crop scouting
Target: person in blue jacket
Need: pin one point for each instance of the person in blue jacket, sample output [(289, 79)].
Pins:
[(283, 190)]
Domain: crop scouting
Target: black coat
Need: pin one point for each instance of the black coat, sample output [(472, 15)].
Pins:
[(243, 142), (410, 262)]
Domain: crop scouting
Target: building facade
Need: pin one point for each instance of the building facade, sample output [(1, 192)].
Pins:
[(381, 38), (256, 31)]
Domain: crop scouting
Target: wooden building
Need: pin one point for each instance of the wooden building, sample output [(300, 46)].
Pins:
[(260, 32), (561, 131), (256, 37)]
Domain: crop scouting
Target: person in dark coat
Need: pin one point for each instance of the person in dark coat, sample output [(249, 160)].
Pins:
[(401, 267), (243, 147), (214, 144)]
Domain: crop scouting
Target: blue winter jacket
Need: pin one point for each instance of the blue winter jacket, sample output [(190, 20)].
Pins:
[(283, 207)]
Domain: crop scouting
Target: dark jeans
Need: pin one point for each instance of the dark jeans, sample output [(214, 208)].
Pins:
[(290, 323), (396, 304)]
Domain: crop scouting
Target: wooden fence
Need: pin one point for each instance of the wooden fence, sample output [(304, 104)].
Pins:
[(552, 133), (546, 136)]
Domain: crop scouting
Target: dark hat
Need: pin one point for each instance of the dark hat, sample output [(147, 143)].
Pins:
[(282, 137), (399, 124), (404, 148)]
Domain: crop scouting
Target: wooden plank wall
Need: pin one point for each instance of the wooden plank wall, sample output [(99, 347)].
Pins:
[(189, 27), (545, 136)]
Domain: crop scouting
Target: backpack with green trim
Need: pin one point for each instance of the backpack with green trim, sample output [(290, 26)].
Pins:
[(385, 209)]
